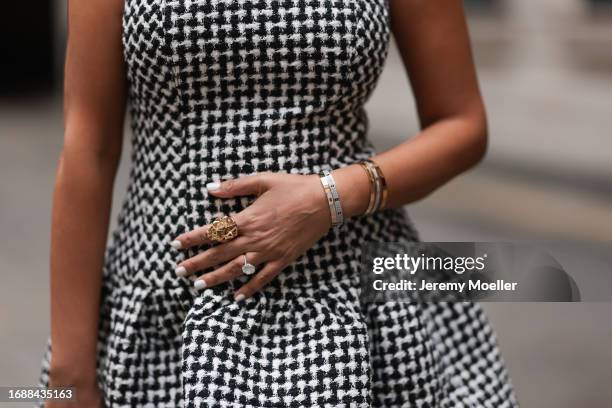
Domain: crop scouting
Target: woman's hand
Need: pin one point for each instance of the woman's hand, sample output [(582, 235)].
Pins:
[(289, 216)]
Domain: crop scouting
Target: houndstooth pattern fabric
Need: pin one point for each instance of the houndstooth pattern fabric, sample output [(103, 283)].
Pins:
[(225, 88)]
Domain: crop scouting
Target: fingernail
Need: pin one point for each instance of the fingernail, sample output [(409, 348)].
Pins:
[(199, 284), (180, 271), (213, 186), (239, 297), (176, 244)]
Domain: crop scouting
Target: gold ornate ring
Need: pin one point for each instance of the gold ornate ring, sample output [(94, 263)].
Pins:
[(222, 229)]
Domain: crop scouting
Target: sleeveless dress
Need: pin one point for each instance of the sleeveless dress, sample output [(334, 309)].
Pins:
[(225, 88)]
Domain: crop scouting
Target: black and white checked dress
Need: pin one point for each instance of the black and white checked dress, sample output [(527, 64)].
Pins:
[(225, 88)]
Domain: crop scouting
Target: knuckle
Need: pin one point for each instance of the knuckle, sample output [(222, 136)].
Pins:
[(229, 185), (269, 240), (260, 186), (236, 265), (278, 266), (263, 278), (250, 218), (202, 234), (187, 240), (190, 265), (211, 279), (257, 237), (277, 252), (222, 275), (251, 288), (256, 258), (213, 257), (215, 276), (248, 241)]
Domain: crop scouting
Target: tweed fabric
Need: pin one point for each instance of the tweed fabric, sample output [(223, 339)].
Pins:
[(225, 88)]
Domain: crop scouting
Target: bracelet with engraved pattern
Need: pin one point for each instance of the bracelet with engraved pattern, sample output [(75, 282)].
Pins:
[(333, 199)]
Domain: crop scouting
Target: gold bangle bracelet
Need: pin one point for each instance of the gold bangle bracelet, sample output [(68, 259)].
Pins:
[(377, 189), (383, 188), (372, 180)]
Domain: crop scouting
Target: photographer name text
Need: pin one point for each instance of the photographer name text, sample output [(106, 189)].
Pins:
[(478, 285)]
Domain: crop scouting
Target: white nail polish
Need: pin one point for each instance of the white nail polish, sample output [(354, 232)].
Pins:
[(213, 186), (176, 244), (199, 284), (239, 298), (180, 271)]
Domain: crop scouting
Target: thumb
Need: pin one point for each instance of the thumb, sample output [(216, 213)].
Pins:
[(247, 185)]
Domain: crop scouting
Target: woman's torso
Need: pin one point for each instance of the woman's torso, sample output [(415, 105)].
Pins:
[(225, 88)]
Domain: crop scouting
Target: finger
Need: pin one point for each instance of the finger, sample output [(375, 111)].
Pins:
[(199, 235), (229, 271), (192, 238), (261, 279), (212, 256), (255, 184)]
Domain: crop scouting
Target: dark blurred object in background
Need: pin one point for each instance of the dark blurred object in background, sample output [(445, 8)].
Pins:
[(27, 47), (488, 7), (605, 3)]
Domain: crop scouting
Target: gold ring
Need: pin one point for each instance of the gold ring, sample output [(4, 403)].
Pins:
[(222, 229)]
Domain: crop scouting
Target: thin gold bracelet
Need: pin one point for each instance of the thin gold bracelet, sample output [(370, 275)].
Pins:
[(377, 189), (382, 184), (372, 180)]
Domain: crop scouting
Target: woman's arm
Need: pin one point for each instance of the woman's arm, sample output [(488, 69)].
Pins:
[(291, 212), (94, 105), (433, 40)]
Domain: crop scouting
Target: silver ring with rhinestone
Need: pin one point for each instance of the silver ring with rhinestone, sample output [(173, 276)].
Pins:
[(247, 268)]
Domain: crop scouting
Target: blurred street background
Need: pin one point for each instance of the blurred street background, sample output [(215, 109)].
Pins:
[(545, 68)]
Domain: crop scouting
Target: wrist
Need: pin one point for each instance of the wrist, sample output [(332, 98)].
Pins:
[(75, 374)]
